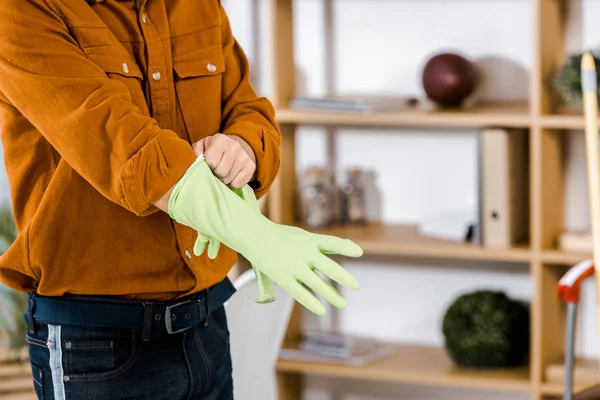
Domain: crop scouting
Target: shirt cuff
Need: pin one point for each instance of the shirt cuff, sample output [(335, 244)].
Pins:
[(266, 151), (153, 170)]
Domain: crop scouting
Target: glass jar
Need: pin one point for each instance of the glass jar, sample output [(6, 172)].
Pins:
[(317, 192), (353, 198)]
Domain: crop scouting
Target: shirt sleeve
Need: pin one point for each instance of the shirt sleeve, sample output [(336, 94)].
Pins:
[(87, 117), (246, 114)]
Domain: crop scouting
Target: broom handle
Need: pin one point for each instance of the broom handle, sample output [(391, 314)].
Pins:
[(590, 102), (590, 108)]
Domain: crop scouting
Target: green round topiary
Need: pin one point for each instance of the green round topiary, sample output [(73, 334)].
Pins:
[(486, 329), (568, 79)]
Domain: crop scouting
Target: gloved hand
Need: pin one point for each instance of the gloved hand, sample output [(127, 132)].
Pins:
[(288, 255), (266, 292)]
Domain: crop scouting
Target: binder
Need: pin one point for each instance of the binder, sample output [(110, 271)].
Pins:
[(504, 156)]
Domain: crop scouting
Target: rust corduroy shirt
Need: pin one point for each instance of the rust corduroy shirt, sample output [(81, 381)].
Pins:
[(100, 101)]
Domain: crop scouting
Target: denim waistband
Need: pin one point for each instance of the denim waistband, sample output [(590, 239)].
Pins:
[(153, 318)]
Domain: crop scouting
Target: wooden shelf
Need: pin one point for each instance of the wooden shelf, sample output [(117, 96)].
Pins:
[(513, 114), (418, 365), (585, 376), (558, 388), (20, 396), (563, 118), (563, 258), (404, 240), (16, 382), (562, 121)]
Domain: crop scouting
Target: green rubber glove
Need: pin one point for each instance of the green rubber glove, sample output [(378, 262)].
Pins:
[(288, 255), (266, 292)]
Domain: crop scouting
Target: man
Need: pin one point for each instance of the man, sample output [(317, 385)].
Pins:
[(100, 104)]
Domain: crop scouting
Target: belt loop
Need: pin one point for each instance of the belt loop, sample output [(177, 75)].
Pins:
[(30, 306), (147, 321), (207, 300)]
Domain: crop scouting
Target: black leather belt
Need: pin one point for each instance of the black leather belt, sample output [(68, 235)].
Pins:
[(154, 318)]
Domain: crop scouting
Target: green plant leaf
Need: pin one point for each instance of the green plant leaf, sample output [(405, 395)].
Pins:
[(568, 80), (12, 303)]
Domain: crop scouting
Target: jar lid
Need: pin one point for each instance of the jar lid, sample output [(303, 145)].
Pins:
[(353, 171), (316, 172)]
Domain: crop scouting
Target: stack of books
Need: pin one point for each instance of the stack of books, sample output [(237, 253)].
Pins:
[(325, 347), (353, 103)]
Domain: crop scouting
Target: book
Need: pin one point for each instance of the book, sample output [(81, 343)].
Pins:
[(354, 103), (504, 191), (356, 360), (457, 227), (325, 347), (576, 242)]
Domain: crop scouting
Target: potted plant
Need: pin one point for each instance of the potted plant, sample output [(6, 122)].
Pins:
[(568, 79), (12, 303)]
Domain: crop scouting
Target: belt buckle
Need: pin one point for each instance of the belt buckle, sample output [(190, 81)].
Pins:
[(168, 321)]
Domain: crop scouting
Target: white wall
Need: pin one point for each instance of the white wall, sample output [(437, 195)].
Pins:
[(382, 45)]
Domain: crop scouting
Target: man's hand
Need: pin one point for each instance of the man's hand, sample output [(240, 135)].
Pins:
[(229, 157)]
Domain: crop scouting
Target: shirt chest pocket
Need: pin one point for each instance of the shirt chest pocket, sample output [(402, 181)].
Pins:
[(119, 65), (198, 83)]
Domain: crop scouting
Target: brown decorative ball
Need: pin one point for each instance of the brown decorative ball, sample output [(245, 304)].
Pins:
[(448, 79)]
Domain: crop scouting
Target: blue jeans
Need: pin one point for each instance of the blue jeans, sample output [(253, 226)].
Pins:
[(115, 364)]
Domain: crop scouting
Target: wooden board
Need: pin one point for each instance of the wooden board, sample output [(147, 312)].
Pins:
[(30, 395), (418, 365), (563, 258), (511, 114), (21, 384), (557, 388), (404, 240), (16, 382), (586, 372), (573, 122)]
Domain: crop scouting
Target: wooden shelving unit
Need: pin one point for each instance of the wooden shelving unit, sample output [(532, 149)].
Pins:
[(15, 378), (547, 123)]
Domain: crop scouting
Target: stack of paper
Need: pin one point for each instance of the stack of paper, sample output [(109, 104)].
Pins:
[(355, 103), (317, 346), (457, 227)]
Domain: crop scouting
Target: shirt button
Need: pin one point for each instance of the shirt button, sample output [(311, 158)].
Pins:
[(188, 254), (125, 68), (211, 67), (156, 76), (144, 19)]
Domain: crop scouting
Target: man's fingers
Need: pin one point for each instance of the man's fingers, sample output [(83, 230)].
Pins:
[(213, 248), (304, 297), (200, 244), (335, 271), (213, 153), (335, 245), (228, 160), (223, 163), (322, 288), (236, 167), (241, 179), (240, 173), (199, 147)]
